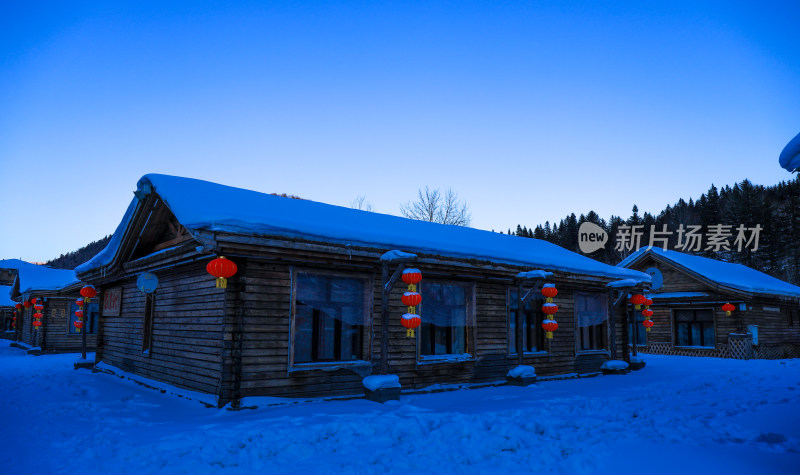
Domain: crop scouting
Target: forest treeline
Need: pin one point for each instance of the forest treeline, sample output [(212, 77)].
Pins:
[(73, 259), (773, 209)]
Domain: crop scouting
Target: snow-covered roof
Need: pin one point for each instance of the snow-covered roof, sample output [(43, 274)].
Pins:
[(728, 274), (15, 264), (201, 205), (43, 278), (5, 296), (790, 156)]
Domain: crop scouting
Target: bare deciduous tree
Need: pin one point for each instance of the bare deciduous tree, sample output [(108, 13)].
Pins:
[(361, 203), (433, 206)]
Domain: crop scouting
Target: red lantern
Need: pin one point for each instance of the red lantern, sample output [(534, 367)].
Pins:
[(410, 322), (27, 304), (79, 313), (648, 302), (647, 313), (638, 300), (549, 308), (411, 299), (549, 327), (18, 306), (412, 276), (79, 302), (88, 292), (549, 291), (37, 323), (34, 300), (222, 269), (39, 307), (37, 315), (78, 325), (728, 308), (648, 324)]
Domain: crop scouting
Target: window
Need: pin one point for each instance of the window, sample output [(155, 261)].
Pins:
[(591, 315), (446, 311), (147, 324), (641, 337), (694, 328), (532, 317), (332, 313), (90, 314)]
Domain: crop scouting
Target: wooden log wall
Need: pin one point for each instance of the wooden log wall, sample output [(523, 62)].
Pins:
[(266, 307), (187, 338)]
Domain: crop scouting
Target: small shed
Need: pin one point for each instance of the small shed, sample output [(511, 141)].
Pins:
[(688, 293), (304, 314), (57, 291)]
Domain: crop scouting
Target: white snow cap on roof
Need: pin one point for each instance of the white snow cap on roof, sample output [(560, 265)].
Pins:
[(43, 278), (729, 274), (790, 156), (201, 205)]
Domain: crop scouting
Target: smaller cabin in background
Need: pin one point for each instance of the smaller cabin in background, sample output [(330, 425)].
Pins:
[(7, 313), (57, 290), (688, 293)]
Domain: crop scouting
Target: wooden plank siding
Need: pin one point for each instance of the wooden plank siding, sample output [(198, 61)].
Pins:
[(778, 332), (187, 337)]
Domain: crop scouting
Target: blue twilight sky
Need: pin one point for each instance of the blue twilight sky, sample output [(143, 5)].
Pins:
[(529, 110)]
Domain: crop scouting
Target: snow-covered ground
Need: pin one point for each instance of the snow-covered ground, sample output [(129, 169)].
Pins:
[(679, 416)]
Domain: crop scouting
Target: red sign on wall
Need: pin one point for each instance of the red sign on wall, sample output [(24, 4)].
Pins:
[(112, 302)]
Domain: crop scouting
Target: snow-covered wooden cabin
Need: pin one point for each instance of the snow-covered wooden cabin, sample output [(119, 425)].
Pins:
[(688, 293), (303, 314), (57, 291)]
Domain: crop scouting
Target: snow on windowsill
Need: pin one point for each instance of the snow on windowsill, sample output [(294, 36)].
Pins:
[(614, 365), (434, 359), (522, 371), (383, 381)]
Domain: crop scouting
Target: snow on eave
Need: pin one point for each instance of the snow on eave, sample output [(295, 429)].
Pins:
[(736, 277), (202, 206), (790, 156), (624, 283), (44, 279)]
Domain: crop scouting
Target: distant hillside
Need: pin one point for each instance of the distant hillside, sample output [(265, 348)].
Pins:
[(73, 259)]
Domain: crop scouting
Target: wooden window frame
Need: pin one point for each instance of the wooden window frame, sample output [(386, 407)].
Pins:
[(367, 330), (694, 310), (535, 329), (469, 329), (604, 333)]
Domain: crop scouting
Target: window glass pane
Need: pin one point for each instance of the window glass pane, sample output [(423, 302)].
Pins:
[(331, 313), (303, 333), (592, 309), (704, 316), (683, 334), (683, 316), (694, 335), (444, 314)]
